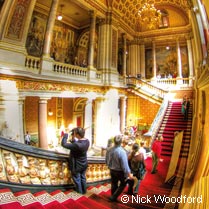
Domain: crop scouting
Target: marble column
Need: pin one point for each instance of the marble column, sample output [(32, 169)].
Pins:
[(142, 63), (92, 39), (124, 55), (179, 66), (88, 121), (42, 123), (99, 122), (122, 114), (21, 128), (5, 11), (154, 65), (190, 60), (49, 28), (134, 59)]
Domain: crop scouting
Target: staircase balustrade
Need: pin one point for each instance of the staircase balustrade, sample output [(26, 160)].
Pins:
[(24, 166), (152, 133)]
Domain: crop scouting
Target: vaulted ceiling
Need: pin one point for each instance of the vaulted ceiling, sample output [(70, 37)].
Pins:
[(76, 12)]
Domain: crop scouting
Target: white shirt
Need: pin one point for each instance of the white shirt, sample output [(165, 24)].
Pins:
[(143, 151), (27, 138)]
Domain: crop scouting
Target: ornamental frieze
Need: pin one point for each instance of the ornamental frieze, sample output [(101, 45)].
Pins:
[(45, 86)]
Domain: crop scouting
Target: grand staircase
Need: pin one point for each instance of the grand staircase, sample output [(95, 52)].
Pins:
[(96, 197), (54, 200), (172, 122), (152, 187)]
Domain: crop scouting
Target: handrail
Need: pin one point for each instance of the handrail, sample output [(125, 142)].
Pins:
[(152, 132), (24, 166), (146, 87)]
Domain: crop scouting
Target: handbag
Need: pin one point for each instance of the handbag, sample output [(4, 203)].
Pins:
[(141, 172)]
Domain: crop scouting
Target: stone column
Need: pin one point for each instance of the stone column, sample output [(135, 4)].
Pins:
[(42, 123), (92, 39), (9, 110), (49, 28), (5, 15), (98, 122), (154, 66), (122, 114), (21, 123), (190, 59), (179, 67), (88, 121), (124, 55), (134, 59), (142, 63)]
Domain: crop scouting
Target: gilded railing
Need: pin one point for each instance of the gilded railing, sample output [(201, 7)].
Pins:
[(26, 165), (142, 87)]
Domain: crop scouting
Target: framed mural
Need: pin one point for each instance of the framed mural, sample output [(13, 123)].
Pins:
[(166, 60), (35, 38)]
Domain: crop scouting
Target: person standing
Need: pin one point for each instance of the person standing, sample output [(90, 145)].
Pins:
[(117, 161), (187, 105), (143, 150), (138, 168), (183, 105), (78, 162), (27, 138), (156, 152)]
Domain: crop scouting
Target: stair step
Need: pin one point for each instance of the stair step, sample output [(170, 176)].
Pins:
[(48, 201), (8, 200), (87, 202), (174, 121), (27, 200)]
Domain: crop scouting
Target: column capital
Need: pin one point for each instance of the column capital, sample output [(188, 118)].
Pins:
[(123, 97), (92, 13), (124, 35), (43, 100)]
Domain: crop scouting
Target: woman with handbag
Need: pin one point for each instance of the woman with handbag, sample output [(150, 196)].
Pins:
[(138, 168)]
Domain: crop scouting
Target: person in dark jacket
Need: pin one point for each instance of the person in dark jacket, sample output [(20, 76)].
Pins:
[(78, 157), (138, 168)]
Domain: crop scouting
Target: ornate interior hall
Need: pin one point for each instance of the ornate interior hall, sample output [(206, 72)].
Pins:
[(112, 67)]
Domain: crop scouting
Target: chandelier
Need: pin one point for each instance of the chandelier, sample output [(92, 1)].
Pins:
[(149, 16)]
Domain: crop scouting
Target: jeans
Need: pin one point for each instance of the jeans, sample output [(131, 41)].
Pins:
[(80, 181)]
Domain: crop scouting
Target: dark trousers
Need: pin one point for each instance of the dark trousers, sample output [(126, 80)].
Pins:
[(155, 161), (80, 181), (186, 113), (116, 187)]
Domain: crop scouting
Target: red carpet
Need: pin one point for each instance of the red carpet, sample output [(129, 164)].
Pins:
[(47, 201), (27, 200), (152, 190), (64, 200), (8, 200), (174, 121)]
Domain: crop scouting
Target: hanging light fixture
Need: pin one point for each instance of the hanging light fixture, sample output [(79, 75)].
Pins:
[(149, 16), (59, 17)]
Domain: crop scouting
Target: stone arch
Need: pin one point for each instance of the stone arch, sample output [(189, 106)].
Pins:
[(79, 111)]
